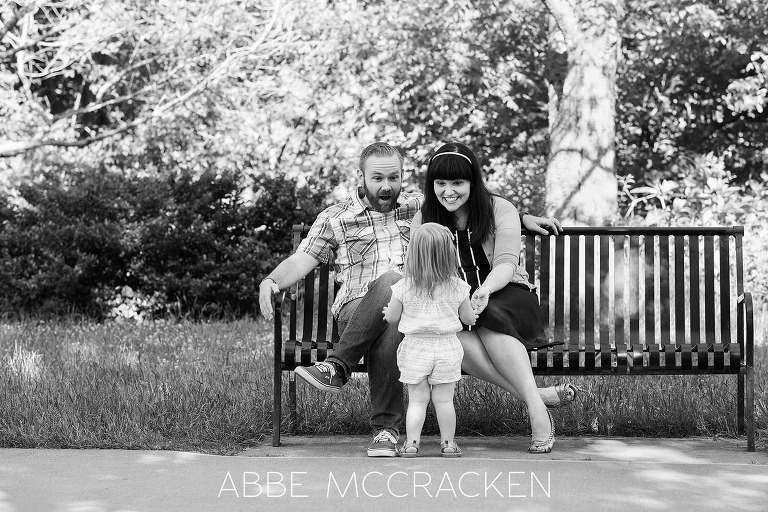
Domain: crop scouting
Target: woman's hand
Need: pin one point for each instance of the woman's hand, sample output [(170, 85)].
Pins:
[(480, 299), (542, 225)]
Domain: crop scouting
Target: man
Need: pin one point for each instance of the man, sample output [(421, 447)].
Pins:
[(365, 238)]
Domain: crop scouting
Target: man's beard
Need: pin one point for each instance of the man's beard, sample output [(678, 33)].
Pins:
[(376, 203)]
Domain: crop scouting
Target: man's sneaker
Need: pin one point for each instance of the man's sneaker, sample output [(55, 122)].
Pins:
[(384, 444), (323, 376)]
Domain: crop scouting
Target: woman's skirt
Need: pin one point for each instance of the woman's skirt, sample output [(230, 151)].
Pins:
[(514, 310)]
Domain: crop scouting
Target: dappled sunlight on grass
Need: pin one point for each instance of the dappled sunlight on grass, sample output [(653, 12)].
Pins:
[(208, 387), (183, 386), (24, 364)]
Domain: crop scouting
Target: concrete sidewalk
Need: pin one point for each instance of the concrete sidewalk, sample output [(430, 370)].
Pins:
[(333, 474)]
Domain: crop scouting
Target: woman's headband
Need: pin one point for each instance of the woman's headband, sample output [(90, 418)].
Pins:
[(453, 153)]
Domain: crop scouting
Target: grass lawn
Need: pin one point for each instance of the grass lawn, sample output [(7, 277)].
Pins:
[(208, 387)]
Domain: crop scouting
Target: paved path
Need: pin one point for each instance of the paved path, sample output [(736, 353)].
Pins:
[(333, 474)]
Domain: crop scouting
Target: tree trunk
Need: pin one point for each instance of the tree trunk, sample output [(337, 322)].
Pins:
[(584, 48)]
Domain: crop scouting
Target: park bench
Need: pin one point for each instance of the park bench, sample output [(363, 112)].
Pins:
[(622, 300)]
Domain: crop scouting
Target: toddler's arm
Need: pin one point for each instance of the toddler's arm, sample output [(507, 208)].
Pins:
[(393, 310), (466, 313)]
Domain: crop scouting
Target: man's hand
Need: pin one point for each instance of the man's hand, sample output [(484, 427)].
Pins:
[(542, 225), (289, 271), (267, 289)]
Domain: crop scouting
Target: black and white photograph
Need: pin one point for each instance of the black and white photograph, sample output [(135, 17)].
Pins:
[(401, 255)]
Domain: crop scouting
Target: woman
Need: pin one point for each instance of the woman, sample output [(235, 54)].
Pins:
[(487, 236)]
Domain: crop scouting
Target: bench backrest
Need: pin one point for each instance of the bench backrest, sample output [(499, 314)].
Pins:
[(617, 297)]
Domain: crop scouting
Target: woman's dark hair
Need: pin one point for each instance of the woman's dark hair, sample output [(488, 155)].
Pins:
[(461, 166)]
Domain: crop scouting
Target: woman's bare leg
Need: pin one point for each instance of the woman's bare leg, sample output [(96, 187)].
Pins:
[(478, 363), (510, 358)]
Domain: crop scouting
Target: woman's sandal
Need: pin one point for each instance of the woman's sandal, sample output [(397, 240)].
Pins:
[(544, 446), (566, 393), (409, 450), (450, 449)]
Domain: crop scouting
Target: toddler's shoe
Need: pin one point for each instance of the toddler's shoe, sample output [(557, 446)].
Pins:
[(409, 450), (450, 449)]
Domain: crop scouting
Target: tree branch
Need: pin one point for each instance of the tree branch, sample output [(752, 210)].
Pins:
[(566, 17), (119, 76), (15, 148), (7, 54), (93, 107), (222, 70), (16, 18)]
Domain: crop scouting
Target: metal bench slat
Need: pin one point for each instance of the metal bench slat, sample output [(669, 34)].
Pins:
[(650, 310), (559, 312), (589, 296), (694, 295), (619, 283), (709, 287), (633, 296), (544, 269), (725, 290), (574, 293), (322, 302), (679, 290), (308, 306), (663, 304), (606, 291), (530, 256)]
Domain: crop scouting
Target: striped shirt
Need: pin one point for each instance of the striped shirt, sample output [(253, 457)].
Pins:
[(360, 243)]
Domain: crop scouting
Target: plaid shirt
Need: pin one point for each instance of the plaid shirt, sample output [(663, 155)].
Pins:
[(360, 243)]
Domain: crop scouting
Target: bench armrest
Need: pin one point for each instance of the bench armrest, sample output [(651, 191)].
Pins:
[(746, 307), (277, 306)]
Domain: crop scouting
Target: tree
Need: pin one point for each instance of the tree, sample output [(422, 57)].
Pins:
[(74, 72), (692, 89), (585, 44)]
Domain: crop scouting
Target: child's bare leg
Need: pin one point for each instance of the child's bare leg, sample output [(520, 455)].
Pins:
[(418, 399), (442, 399)]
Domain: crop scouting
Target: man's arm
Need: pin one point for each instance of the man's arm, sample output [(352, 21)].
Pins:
[(286, 274)]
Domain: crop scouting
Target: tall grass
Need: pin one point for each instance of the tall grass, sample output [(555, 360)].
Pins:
[(204, 387), (208, 387)]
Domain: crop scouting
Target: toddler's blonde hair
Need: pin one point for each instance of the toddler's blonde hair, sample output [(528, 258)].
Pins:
[(431, 258)]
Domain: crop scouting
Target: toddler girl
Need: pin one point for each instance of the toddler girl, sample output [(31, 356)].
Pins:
[(430, 302)]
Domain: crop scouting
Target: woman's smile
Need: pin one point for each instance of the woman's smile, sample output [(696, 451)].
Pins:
[(453, 194)]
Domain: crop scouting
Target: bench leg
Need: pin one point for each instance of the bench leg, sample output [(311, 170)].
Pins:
[(750, 404), (277, 402), (292, 401), (740, 401)]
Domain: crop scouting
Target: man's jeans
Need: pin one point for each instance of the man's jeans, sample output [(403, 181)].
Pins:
[(364, 330)]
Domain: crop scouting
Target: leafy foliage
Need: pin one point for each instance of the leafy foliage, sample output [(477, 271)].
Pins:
[(164, 145), (89, 240), (693, 83)]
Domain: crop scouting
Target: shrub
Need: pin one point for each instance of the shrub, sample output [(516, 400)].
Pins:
[(183, 244)]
